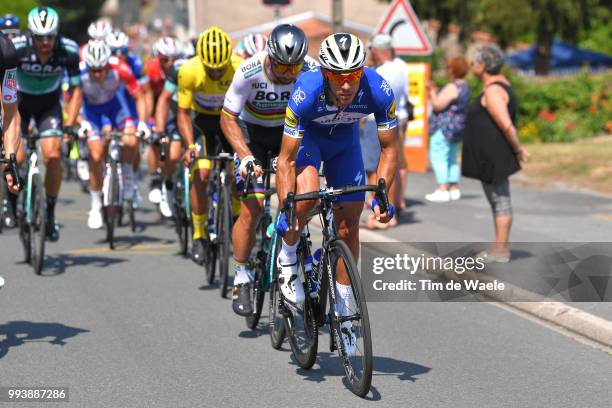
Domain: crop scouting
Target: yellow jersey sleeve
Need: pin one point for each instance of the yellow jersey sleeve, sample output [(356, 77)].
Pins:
[(187, 79)]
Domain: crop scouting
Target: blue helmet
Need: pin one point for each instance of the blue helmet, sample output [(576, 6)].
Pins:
[(9, 24)]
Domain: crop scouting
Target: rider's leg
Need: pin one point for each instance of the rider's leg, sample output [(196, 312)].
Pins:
[(129, 155), (347, 223), (243, 233), (97, 154), (172, 159), (155, 178), (51, 145)]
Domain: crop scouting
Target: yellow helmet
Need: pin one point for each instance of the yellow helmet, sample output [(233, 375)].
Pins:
[(214, 48)]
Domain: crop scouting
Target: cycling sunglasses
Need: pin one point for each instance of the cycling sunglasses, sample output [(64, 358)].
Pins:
[(286, 68), (216, 72), (339, 78), (44, 37)]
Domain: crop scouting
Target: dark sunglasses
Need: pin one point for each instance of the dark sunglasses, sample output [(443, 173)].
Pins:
[(44, 37)]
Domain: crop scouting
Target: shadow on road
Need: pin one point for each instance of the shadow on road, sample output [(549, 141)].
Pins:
[(57, 264), (127, 241), (330, 365), (17, 333)]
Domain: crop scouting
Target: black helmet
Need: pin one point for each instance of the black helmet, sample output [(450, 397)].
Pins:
[(287, 44)]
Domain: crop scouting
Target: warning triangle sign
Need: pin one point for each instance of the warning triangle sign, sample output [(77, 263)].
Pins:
[(403, 25)]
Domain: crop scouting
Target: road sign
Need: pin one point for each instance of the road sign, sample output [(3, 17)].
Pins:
[(403, 25)]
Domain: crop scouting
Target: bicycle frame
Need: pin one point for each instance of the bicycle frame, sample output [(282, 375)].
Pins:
[(32, 169)]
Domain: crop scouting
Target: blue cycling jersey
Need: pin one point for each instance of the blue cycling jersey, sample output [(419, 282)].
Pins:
[(308, 111), (330, 135), (136, 64)]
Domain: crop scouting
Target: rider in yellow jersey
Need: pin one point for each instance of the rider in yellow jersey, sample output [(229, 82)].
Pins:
[(202, 83)]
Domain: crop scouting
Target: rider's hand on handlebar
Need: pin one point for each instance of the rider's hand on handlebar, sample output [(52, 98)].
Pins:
[(10, 182), (187, 156), (144, 131), (257, 169), (84, 129), (384, 217)]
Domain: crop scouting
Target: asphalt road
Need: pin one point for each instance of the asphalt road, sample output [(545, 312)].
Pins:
[(137, 327)]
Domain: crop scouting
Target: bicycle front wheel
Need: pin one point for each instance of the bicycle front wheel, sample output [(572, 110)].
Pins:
[(301, 326), (113, 206), (350, 322), (37, 223), (225, 231)]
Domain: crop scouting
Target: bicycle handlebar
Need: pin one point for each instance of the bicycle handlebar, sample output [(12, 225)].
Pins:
[(330, 193)]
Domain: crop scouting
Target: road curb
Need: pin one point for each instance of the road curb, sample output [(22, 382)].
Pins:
[(561, 314)]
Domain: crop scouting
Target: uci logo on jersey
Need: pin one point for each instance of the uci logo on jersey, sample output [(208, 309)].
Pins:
[(259, 85), (272, 96), (43, 69)]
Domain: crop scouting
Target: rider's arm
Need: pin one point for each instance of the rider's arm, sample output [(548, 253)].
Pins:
[(186, 84), (285, 166), (235, 99), (74, 80), (147, 93), (10, 117), (386, 122), (129, 81), (162, 109)]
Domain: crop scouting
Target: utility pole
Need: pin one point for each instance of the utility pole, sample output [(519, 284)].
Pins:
[(337, 15)]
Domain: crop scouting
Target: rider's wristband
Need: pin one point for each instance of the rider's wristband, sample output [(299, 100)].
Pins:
[(191, 146)]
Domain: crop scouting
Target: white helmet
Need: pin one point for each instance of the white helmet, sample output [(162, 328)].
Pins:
[(254, 43), (98, 30), (117, 40), (43, 21), (97, 54), (342, 52), (168, 46)]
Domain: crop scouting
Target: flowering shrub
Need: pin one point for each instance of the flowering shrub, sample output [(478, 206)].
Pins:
[(559, 109)]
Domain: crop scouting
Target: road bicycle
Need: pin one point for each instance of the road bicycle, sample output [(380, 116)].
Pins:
[(113, 200), (262, 263), (182, 205), (320, 305), (219, 219), (33, 213)]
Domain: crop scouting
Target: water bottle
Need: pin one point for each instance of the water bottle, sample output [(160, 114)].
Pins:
[(308, 271), (311, 267), (270, 230)]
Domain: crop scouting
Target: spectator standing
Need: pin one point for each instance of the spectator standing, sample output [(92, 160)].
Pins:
[(491, 147), (446, 124), (395, 72)]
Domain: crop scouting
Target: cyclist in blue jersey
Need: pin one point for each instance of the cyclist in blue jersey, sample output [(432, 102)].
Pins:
[(322, 126)]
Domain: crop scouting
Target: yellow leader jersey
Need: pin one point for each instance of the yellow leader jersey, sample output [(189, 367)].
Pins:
[(198, 92)]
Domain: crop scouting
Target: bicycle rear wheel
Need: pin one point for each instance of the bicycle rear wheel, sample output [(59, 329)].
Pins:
[(224, 237), (37, 223), (357, 357)]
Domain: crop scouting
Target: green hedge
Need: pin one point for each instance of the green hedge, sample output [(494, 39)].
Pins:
[(560, 109)]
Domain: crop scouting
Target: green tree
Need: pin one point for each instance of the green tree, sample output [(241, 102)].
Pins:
[(575, 21), (19, 8)]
